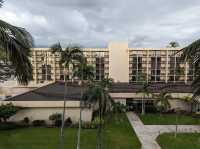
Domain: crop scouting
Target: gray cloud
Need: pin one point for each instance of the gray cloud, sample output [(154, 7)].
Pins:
[(93, 23)]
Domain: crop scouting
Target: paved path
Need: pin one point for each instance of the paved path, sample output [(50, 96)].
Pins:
[(147, 134)]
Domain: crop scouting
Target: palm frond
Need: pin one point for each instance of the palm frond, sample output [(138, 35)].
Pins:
[(56, 48), (1, 3), (191, 50), (16, 42)]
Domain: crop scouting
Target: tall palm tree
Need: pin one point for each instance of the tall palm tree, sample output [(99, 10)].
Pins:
[(15, 43), (84, 71), (162, 101), (97, 94), (71, 55), (145, 93), (191, 53)]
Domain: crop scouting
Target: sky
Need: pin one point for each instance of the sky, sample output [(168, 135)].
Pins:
[(94, 23)]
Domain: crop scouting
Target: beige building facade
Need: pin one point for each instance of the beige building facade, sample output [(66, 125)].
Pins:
[(120, 62)]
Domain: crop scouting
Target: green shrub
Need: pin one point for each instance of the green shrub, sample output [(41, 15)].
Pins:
[(26, 120), (68, 122), (55, 116), (37, 123), (8, 126), (7, 110)]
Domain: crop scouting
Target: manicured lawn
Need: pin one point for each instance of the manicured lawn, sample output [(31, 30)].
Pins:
[(43, 138), (183, 141), (117, 134), (168, 119)]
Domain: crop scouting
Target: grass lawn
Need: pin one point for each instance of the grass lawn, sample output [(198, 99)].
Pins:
[(117, 135), (183, 141), (168, 119)]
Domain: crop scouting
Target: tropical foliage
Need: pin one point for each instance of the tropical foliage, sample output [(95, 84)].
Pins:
[(191, 53), (145, 94), (71, 55), (98, 96), (173, 44), (162, 101), (15, 44), (84, 71), (7, 110)]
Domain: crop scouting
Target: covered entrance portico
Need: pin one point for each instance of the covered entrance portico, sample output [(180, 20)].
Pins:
[(136, 105)]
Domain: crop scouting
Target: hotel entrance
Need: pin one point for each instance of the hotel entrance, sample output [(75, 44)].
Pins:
[(136, 105)]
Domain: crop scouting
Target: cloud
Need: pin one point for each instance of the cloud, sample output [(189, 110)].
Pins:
[(93, 23)]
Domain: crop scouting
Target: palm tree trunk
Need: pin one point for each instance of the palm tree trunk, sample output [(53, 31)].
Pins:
[(63, 115), (80, 116), (98, 145), (79, 129), (143, 112)]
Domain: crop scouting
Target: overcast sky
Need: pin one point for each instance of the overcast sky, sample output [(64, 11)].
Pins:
[(93, 23)]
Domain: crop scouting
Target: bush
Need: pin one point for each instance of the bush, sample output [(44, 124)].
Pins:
[(119, 108), (7, 110), (68, 122), (58, 123), (39, 123), (196, 115), (8, 126), (55, 116), (26, 120)]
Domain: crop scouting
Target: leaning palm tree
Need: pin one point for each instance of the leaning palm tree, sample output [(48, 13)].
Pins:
[(162, 101), (145, 93), (15, 44), (98, 96), (191, 53), (71, 55)]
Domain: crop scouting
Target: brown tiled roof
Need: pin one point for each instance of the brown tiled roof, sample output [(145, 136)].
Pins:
[(55, 91), (153, 87)]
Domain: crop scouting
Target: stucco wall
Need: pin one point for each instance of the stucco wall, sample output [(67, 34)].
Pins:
[(119, 61), (44, 113)]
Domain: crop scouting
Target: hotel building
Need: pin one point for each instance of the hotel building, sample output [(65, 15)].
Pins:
[(120, 62), (129, 67)]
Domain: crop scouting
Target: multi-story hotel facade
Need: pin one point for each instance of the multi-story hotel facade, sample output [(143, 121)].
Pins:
[(120, 62), (128, 67)]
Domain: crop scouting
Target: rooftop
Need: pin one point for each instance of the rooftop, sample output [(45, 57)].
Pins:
[(55, 91)]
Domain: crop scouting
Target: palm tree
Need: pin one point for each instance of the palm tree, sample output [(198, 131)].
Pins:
[(191, 53), (15, 43), (162, 101), (173, 44), (84, 70), (146, 93), (97, 95), (71, 55)]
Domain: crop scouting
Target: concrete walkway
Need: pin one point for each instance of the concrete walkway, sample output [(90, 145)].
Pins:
[(147, 134)]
